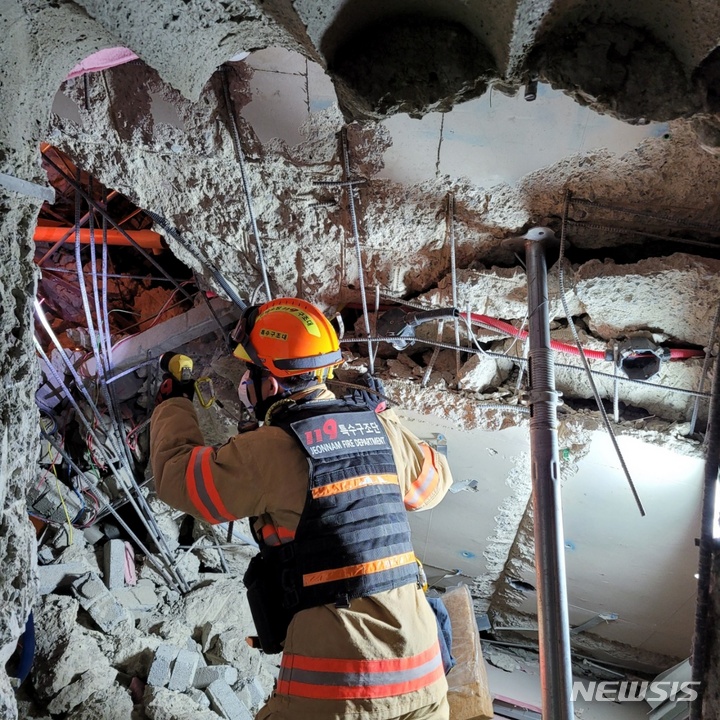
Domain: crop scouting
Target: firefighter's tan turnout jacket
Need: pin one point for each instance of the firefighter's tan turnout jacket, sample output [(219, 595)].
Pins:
[(379, 658)]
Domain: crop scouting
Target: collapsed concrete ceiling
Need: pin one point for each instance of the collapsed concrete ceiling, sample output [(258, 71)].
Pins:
[(640, 259)]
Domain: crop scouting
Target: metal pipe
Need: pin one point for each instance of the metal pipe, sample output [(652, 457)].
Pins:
[(705, 367), (707, 550), (553, 624)]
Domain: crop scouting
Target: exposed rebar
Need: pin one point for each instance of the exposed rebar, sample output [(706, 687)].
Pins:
[(246, 185), (586, 364), (356, 239)]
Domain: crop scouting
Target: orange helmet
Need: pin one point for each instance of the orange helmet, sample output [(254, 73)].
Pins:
[(287, 337)]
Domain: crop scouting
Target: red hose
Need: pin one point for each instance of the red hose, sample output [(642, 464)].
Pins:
[(675, 353)]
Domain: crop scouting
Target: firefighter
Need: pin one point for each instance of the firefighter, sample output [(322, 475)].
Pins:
[(326, 483)]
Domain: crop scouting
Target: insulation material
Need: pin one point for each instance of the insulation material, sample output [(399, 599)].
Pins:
[(468, 695)]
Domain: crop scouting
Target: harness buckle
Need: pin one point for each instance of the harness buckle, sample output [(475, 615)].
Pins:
[(342, 601)]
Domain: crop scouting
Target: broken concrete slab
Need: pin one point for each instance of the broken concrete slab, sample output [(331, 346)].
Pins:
[(226, 703), (482, 372), (78, 691), (112, 703), (57, 666), (138, 599), (97, 601), (254, 695)]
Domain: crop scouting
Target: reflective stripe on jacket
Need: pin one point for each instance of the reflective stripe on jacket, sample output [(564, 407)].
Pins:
[(333, 679)]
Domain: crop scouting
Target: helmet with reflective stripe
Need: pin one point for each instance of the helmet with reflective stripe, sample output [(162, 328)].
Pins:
[(287, 336)]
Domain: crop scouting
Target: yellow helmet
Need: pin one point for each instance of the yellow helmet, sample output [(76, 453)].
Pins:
[(287, 336)]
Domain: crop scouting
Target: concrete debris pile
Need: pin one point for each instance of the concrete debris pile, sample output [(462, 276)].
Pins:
[(115, 641)]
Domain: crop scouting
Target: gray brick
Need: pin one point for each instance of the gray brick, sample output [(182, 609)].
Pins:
[(183, 670), (97, 601), (226, 703), (160, 670), (114, 565), (207, 675), (93, 534)]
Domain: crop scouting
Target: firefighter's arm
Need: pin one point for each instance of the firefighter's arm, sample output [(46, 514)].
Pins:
[(214, 484), (424, 474)]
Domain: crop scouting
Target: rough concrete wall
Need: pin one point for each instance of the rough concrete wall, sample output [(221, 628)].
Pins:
[(28, 79)]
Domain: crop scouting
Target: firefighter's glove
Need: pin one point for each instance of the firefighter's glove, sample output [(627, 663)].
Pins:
[(177, 380), (172, 388), (374, 396)]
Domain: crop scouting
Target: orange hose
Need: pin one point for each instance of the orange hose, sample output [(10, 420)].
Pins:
[(148, 239)]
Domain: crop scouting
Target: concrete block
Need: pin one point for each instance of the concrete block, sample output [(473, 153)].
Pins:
[(45, 556), (226, 703), (183, 670), (93, 534), (114, 566), (207, 675), (199, 697), (53, 576), (161, 668), (96, 599)]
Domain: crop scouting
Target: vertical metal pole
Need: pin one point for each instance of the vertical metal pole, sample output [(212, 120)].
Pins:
[(554, 629)]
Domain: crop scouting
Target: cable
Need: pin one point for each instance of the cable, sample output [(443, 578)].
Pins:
[(596, 394)]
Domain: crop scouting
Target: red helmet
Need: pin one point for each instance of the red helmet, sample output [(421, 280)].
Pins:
[(287, 336)]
